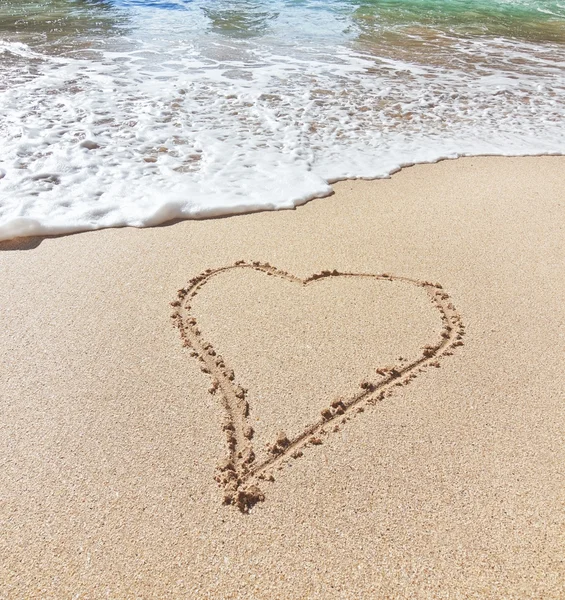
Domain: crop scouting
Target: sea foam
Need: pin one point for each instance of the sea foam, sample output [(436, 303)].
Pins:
[(139, 132)]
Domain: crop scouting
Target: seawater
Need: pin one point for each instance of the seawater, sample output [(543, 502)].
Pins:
[(136, 112)]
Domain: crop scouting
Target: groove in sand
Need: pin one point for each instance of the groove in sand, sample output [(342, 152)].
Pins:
[(240, 474)]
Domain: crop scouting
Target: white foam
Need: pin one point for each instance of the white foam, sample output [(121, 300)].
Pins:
[(145, 135)]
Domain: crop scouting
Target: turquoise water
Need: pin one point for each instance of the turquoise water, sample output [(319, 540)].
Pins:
[(534, 20), (135, 112)]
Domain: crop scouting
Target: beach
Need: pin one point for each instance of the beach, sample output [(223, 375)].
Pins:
[(115, 439)]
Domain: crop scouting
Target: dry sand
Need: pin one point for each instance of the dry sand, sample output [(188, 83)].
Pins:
[(451, 487)]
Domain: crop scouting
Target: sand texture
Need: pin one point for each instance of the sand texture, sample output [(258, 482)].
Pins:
[(361, 398)]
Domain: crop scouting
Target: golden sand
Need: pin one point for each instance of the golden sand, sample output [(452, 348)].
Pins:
[(370, 405)]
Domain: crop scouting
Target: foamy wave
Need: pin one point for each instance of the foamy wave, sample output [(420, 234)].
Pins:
[(139, 137)]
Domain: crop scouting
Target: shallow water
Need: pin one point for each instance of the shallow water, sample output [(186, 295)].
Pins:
[(136, 112)]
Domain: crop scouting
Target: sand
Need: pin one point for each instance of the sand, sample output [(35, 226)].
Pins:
[(370, 405)]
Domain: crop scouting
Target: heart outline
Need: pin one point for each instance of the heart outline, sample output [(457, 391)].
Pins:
[(239, 474)]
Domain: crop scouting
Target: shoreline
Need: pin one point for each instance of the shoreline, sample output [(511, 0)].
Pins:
[(113, 433), (26, 224)]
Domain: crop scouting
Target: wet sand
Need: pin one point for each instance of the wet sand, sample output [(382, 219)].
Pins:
[(376, 392)]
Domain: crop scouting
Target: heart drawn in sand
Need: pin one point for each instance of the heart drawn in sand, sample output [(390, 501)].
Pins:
[(241, 473)]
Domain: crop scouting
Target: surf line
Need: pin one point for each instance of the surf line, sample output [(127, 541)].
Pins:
[(239, 474)]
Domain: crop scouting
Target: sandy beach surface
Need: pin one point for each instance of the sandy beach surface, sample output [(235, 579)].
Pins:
[(117, 420)]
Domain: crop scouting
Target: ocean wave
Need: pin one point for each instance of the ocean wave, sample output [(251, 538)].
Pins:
[(139, 132)]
